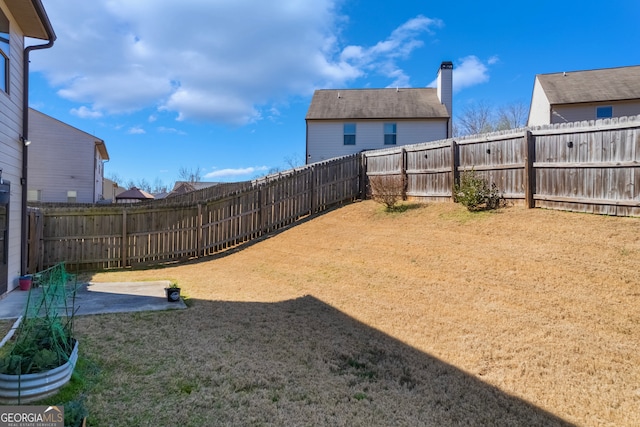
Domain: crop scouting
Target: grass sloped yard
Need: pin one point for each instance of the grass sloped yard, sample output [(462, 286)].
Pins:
[(432, 316)]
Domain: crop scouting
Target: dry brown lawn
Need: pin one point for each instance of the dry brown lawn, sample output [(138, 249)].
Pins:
[(432, 316)]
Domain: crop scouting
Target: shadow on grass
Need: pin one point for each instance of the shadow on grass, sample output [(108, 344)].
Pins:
[(404, 207), (296, 362)]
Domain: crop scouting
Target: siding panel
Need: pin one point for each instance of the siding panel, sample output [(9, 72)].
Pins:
[(11, 149), (325, 138), (61, 158)]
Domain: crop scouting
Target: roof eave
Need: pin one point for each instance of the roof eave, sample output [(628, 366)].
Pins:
[(32, 18), (102, 149), (594, 101)]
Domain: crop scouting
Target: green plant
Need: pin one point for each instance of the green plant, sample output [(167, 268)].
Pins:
[(475, 193), (173, 285), (44, 340), (74, 412)]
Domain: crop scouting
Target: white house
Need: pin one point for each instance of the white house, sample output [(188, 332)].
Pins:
[(66, 164), (585, 95), (347, 121), (18, 19)]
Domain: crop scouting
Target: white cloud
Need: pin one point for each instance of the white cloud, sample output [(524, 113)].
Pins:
[(469, 71), (85, 113), (224, 173), (210, 60), (382, 57), (136, 131), (164, 129)]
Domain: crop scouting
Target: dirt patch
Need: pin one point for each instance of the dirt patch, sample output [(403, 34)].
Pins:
[(430, 316)]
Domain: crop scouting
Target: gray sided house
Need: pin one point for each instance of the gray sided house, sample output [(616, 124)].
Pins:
[(65, 163), (18, 19), (347, 121), (575, 96)]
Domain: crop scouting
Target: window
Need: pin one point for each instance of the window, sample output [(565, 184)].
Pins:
[(389, 134), (34, 195), (72, 196), (604, 112), (4, 52), (349, 134)]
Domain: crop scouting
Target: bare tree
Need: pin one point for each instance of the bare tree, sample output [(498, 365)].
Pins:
[(159, 186), (475, 118), (480, 118), (190, 174), (512, 116), (141, 184), (293, 161), (115, 178), (144, 185)]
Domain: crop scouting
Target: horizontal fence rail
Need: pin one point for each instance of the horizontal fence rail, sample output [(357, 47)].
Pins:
[(117, 236), (584, 167)]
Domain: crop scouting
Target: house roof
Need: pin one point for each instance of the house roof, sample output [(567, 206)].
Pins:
[(183, 187), (608, 84), (134, 193), (32, 18), (404, 103)]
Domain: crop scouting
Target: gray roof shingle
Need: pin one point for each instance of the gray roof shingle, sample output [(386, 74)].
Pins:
[(403, 103), (609, 84)]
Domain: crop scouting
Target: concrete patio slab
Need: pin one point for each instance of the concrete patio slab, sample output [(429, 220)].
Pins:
[(97, 298)]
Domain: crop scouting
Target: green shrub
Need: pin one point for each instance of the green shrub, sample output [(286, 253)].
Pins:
[(475, 193)]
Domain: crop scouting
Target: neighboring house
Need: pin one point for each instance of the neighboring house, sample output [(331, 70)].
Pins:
[(585, 95), (133, 195), (184, 187), (347, 121), (110, 189), (65, 163), (18, 19)]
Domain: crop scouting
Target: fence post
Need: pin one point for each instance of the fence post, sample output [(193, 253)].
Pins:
[(200, 231), (403, 173), (259, 230), (362, 171), (124, 237), (529, 172), (313, 191), (455, 164)]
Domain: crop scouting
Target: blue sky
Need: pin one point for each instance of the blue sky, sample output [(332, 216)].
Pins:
[(224, 86)]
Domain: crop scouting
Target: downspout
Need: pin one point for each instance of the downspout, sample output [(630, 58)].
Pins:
[(37, 5)]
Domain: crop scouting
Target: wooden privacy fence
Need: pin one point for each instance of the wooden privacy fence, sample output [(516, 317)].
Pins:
[(585, 167), (115, 236)]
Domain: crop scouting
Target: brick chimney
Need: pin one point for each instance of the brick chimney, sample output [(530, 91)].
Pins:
[(445, 89)]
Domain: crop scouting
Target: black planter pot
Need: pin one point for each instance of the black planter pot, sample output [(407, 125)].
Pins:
[(173, 294)]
